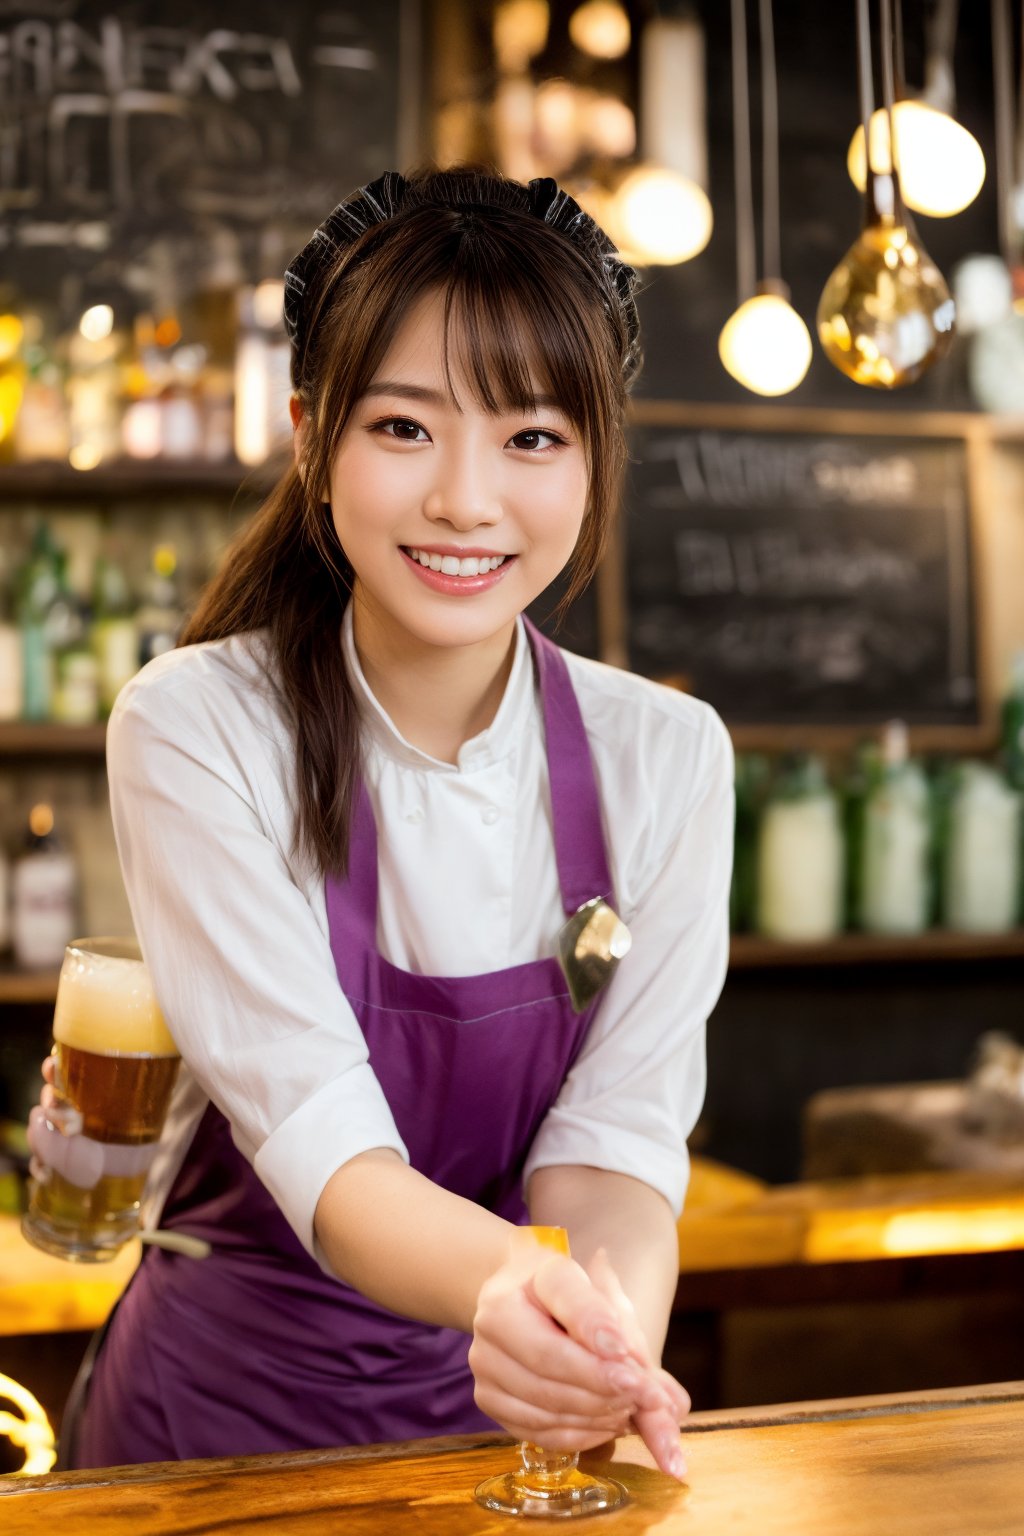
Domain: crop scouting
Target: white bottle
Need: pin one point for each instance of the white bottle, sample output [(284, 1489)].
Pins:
[(800, 856), (897, 843), (43, 891), (982, 867)]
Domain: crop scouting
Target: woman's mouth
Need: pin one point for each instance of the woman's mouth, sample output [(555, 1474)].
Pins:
[(452, 565), (454, 574)]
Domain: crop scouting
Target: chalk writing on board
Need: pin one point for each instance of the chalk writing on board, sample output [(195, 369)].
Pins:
[(218, 114), (795, 577)]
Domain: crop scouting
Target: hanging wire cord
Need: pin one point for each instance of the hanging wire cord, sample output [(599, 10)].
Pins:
[(1002, 83), (746, 249), (770, 223), (866, 88)]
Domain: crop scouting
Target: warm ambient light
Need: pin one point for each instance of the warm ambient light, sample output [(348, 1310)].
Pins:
[(31, 1432), (40, 820), (885, 314), (765, 345), (660, 216), (520, 31), (97, 322), (600, 28), (941, 165)]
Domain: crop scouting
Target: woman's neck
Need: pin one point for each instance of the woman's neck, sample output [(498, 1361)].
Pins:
[(438, 697)]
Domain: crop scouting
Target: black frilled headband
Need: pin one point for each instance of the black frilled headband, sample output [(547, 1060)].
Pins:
[(380, 200)]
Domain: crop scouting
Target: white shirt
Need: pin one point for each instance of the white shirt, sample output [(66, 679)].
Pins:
[(233, 923)]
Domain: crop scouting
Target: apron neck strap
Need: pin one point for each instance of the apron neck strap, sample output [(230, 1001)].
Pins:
[(580, 853)]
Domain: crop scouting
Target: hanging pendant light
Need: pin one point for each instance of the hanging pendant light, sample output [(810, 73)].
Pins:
[(764, 344), (885, 315), (942, 167)]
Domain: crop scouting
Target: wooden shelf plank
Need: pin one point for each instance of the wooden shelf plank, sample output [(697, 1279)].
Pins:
[(750, 951), (26, 738), (131, 477), (27, 986)]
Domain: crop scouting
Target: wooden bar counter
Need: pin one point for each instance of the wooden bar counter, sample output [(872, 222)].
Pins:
[(928, 1464)]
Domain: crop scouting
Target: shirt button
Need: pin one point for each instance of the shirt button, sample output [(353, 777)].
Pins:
[(416, 814), (489, 815)]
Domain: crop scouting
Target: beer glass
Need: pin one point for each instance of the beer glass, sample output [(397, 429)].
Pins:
[(115, 1068), (549, 1483)]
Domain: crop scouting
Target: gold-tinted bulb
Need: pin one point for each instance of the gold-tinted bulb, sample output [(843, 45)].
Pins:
[(885, 315)]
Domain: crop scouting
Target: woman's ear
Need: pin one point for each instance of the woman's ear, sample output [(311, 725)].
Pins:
[(299, 419)]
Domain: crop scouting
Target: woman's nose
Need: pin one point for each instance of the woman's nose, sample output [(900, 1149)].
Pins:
[(464, 494)]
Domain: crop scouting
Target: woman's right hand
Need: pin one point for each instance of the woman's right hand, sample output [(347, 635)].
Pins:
[(54, 1139), (551, 1361)]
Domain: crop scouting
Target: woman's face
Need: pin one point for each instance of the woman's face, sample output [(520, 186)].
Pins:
[(415, 486)]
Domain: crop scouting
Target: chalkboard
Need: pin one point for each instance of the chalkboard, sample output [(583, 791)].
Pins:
[(803, 579), (121, 123)]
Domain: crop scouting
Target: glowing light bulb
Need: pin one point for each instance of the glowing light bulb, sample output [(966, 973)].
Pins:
[(609, 126), (885, 314), (765, 345), (97, 322), (520, 31), (600, 28), (941, 165), (661, 216)]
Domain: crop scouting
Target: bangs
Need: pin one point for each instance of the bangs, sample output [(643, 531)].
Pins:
[(512, 346)]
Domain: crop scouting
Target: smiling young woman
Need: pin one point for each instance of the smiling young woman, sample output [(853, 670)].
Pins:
[(364, 814)]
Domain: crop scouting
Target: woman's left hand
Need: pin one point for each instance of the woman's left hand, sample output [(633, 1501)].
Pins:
[(657, 1427)]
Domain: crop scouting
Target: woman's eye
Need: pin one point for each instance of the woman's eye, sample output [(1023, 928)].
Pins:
[(528, 439), (397, 421), (535, 432)]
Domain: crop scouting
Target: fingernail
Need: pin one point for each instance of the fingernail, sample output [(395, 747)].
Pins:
[(676, 1465), (608, 1343), (623, 1379)]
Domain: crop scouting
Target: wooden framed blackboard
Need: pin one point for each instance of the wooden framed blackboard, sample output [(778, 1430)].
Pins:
[(123, 123), (806, 572)]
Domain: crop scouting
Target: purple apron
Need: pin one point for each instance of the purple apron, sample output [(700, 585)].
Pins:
[(255, 1349)]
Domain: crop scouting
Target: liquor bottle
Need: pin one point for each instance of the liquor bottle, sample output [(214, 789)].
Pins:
[(160, 617), (76, 679), (115, 637), (96, 350), (11, 662), (42, 428), (43, 895), (982, 874), (895, 886), (12, 370), (859, 783), (1012, 744), (800, 854), (753, 773), (37, 589)]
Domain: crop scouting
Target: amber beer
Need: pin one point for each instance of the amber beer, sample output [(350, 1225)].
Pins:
[(115, 1065)]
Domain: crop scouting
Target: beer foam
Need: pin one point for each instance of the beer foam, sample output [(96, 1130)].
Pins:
[(106, 1004)]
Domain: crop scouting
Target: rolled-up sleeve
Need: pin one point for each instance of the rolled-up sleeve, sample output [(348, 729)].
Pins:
[(637, 1087), (242, 968)]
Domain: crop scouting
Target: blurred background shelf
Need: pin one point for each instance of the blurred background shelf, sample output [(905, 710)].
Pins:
[(24, 738), (27, 986), (44, 481), (750, 951)]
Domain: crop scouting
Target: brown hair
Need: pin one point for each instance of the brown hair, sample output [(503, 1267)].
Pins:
[(521, 292)]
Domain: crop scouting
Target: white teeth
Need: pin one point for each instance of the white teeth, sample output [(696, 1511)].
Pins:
[(451, 565)]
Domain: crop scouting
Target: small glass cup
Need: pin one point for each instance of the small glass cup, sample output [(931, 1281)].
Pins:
[(549, 1483), (115, 1069)]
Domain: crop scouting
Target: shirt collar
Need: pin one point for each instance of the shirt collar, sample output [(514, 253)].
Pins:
[(480, 751)]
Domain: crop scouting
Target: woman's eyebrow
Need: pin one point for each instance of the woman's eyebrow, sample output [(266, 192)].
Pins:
[(433, 396)]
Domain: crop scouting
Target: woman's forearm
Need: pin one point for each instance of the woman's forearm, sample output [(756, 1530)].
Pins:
[(627, 1218), (403, 1241)]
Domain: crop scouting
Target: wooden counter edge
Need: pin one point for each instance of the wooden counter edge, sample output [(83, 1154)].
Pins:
[(698, 1423)]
